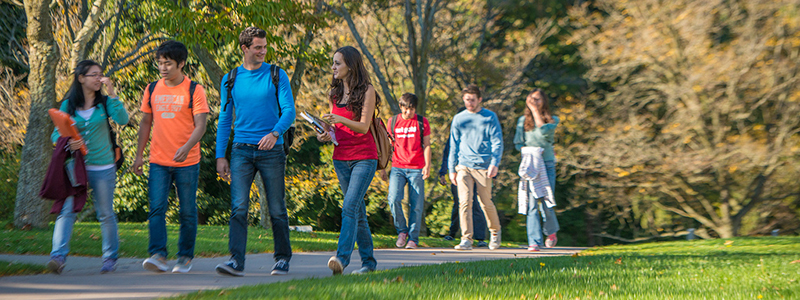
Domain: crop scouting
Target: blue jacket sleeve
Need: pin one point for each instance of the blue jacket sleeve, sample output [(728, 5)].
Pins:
[(452, 157), (496, 136), (519, 135), (224, 121), (286, 101)]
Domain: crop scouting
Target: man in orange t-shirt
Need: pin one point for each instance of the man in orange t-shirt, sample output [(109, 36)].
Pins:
[(176, 109)]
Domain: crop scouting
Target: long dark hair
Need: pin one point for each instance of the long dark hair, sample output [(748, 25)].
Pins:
[(358, 81), (547, 117), (74, 96)]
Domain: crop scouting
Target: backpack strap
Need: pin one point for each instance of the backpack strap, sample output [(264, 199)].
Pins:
[(275, 72), (391, 126), (421, 131), (229, 87), (150, 88), (192, 87)]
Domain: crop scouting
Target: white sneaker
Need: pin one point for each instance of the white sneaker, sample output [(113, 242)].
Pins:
[(494, 243), (465, 245), (335, 265)]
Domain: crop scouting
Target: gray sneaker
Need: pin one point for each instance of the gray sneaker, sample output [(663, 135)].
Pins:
[(56, 264), (156, 263), (183, 265), (465, 245)]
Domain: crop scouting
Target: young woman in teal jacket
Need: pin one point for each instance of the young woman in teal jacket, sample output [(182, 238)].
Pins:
[(90, 109)]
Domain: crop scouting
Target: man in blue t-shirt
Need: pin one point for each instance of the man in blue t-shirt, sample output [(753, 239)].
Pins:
[(476, 144), (261, 120)]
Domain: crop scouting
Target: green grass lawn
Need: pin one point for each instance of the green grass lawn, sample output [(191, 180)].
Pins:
[(211, 240), (741, 268), (14, 269)]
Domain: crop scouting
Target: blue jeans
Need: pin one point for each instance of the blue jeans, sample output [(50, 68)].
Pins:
[(551, 226), (354, 178), (159, 183), (478, 219), (102, 184), (246, 160), (416, 199)]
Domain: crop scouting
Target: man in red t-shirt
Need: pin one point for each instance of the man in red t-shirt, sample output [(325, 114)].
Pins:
[(410, 164)]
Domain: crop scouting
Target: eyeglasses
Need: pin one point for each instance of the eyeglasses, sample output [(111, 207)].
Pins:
[(94, 75)]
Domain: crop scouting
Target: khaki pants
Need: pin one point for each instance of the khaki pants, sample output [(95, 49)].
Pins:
[(466, 180)]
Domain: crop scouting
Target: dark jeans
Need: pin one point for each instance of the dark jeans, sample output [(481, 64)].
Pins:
[(478, 220), (246, 160), (160, 182)]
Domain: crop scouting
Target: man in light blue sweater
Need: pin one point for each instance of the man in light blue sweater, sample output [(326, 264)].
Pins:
[(263, 112), (476, 145)]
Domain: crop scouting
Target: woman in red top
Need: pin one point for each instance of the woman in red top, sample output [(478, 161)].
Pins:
[(353, 101)]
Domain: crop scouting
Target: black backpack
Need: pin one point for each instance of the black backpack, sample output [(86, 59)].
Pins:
[(288, 136), (119, 155), (419, 125)]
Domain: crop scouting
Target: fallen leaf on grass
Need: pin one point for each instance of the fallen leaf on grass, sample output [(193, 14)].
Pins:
[(600, 293), (460, 271), (417, 285), (433, 253), (618, 261), (291, 288), (398, 279), (94, 237), (222, 292), (796, 261), (614, 287), (728, 243), (575, 255), (511, 265)]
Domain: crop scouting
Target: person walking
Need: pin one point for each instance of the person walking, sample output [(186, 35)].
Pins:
[(91, 109), (175, 110), (263, 112), (353, 102), (535, 131), (476, 146), (411, 160)]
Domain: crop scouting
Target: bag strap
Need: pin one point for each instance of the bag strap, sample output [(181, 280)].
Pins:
[(152, 87), (393, 122), (275, 72), (229, 87), (421, 132), (192, 87), (111, 133)]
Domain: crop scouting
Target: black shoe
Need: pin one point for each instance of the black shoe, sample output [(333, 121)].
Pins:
[(482, 244), (281, 268), (230, 268)]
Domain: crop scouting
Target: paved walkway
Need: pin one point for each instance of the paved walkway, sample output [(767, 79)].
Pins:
[(81, 278)]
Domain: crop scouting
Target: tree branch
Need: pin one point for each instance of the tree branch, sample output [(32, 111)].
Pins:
[(342, 12), (78, 52)]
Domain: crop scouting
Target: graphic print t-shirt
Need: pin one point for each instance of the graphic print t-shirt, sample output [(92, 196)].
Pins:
[(173, 121), (408, 151)]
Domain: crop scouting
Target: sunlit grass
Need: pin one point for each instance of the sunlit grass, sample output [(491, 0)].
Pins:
[(14, 269), (742, 268)]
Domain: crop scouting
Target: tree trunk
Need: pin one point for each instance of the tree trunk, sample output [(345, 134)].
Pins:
[(30, 209)]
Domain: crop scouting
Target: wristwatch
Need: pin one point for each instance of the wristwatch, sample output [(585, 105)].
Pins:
[(276, 134)]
